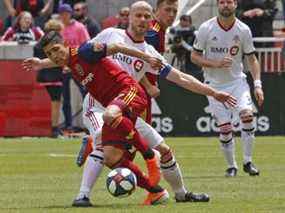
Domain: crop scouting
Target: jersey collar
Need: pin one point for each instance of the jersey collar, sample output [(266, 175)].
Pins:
[(132, 38), (223, 28)]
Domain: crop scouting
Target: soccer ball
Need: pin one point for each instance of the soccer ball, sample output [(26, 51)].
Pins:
[(121, 182)]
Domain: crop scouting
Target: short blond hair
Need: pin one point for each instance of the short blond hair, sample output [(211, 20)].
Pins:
[(53, 25)]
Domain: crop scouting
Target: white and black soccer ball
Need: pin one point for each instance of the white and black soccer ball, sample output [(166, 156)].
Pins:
[(121, 182)]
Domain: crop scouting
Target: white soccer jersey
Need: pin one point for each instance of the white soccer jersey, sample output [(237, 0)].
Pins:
[(134, 66), (217, 42)]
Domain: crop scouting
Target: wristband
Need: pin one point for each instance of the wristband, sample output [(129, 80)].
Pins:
[(257, 84)]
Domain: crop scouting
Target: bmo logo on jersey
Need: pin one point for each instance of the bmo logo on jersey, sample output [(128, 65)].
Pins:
[(123, 58), (88, 79)]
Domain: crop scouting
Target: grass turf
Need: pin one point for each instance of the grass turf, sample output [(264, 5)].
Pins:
[(40, 175)]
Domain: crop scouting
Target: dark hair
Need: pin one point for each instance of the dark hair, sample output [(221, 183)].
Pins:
[(159, 2), (186, 17), (52, 37)]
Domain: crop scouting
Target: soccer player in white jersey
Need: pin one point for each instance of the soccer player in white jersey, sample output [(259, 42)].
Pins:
[(140, 14), (220, 46)]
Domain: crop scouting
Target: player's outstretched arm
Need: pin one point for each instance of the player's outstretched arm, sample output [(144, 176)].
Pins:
[(115, 48), (197, 58), (36, 64), (255, 72), (192, 84)]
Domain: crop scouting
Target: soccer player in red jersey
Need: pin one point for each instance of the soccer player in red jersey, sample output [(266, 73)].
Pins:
[(123, 98), (165, 15)]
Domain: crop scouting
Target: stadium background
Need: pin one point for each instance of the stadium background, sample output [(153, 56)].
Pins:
[(24, 105)]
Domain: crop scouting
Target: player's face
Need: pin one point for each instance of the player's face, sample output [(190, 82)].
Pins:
[(227, 8), (166, 13), (139, 20), (57, 53)]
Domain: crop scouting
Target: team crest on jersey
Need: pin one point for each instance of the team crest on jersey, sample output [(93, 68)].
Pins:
[(97, 47), (138, 65), (236, 39), (79, 69), (234, 50)]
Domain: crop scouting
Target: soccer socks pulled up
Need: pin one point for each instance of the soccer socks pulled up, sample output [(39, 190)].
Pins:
[(247, 137), (91, 172), (126, 127), (172, 174)]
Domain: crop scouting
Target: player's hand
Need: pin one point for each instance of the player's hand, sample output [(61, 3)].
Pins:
[(225, 63), (259, 96), (31, 64), (153, 91), (225, 98), (155, 63)]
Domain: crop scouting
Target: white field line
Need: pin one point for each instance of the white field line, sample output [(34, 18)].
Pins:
[(54, 155)]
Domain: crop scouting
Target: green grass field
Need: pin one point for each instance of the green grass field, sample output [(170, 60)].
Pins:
[(40, 175)]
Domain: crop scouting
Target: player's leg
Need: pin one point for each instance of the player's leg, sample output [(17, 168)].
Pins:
[(168, 164), (247, 137), (247, 126), (228, 148), (93, 121), (115, 157), (223, 117), (115, 122)]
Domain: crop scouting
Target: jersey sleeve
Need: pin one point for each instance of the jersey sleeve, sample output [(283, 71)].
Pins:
[(104, 36), (201, 38), (153, 39), (153, 52), (248, 47), (92, 52)]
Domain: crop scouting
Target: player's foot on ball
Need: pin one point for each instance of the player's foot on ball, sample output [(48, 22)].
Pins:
[(153, 170), (193, 197), (157, 198), (250, 169), (85, 149), (82, 202), (231, 172)]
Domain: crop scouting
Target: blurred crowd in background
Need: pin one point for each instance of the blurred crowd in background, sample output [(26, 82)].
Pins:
[(28, 20)]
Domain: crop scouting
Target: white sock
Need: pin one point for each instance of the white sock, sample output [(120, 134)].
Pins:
[(229, 153), (247, 140), (173, 176), (91, 172)]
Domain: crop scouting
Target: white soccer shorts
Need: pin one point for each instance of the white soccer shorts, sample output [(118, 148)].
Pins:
[(224, 114), (93, 121)]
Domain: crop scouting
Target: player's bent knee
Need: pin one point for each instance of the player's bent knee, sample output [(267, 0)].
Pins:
[(97, 154), (226, 134), (167, 160), (246, 116), (111, 113), (112, 156)]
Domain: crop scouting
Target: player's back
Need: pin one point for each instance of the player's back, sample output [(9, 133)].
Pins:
[(103, 79)]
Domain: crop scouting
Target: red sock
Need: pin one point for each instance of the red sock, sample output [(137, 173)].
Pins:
[(142, 179), (126, 126)]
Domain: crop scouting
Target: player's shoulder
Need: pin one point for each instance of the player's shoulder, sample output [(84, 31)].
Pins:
[(209, 24), (242, 26), (112, 30)]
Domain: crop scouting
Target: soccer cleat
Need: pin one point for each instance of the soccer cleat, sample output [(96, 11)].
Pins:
[(231, 172), (194, 197), (153, 170), (156, 198), (82, 202), (250, 169), (85, 149)]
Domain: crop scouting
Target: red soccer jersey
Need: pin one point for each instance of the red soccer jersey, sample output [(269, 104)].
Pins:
[(103, 78)]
